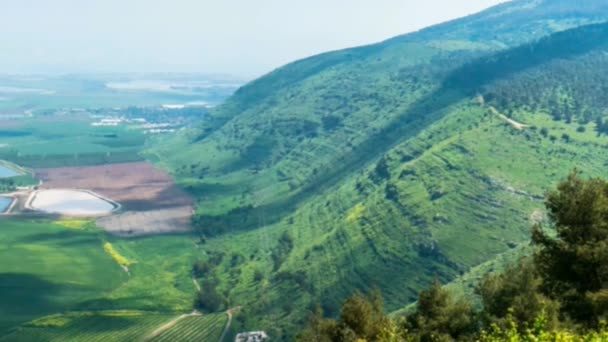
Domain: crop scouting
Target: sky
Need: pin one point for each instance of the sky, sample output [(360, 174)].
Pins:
[(244, 38)]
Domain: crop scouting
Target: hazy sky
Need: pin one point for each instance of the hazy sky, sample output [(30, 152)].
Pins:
[(241, 37)]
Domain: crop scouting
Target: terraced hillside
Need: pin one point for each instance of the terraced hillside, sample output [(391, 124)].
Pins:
[(391, 164)]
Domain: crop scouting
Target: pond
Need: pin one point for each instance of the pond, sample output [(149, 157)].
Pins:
[(5, 202), (6, 172), (71, 203)]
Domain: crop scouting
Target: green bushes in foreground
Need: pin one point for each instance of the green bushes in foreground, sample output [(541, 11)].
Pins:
[(559, 294)]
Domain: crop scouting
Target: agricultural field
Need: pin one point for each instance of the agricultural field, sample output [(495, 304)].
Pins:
[(195, 328), (52, 266), (56, 141), (151, 202), (118, 326), (48, 267), (136, 186), (101, 326)]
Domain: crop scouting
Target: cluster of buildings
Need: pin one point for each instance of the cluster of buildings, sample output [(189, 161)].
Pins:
[(148, 128)]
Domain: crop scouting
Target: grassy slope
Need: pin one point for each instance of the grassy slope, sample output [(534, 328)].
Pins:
[(414, 181), (487, 181)]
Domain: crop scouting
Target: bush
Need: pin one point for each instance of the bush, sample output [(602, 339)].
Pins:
[(441, 317), (515, 294), (361, 319), (538, 333), (258, 275), (208, 298), (201, 269)]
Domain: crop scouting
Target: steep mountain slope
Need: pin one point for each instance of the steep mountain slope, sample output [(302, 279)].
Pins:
[(392, 164), (283, 136)]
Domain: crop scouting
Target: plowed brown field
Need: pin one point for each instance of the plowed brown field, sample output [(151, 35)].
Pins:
[(151, 201)]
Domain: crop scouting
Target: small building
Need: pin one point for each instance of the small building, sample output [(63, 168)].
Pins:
[(252, 336)]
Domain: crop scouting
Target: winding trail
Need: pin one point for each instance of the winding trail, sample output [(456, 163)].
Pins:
[(229, 322), (196, 284), (517, 125)]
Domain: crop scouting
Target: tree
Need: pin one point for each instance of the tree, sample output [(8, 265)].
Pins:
[(515, 295), (574, 263), (208, 298), (319, 328), (440, 317), (361, 318)]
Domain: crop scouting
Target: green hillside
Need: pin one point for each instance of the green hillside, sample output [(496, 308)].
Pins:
[(392, 164)]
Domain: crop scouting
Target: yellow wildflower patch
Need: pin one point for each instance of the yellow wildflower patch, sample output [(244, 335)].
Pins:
[(356, 213), (121, 260), (73, 224)]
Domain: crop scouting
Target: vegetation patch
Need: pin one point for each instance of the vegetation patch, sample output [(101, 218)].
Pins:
[(74, 224), (54, 321), (356, 213), (121, 260)]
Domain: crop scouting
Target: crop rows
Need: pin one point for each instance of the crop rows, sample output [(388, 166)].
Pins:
[(92, 329), (196, 328)]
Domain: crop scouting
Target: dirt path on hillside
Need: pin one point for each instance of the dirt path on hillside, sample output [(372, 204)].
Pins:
[(517, 125), (227, 327), (196, 284), (170, 325)]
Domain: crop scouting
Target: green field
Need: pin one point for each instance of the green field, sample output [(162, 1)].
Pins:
[(119, 326), (57, 141), (47, 268), (52, 267), (103, 326)]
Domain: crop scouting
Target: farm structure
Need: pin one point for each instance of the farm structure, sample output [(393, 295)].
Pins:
[(252, 336)]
